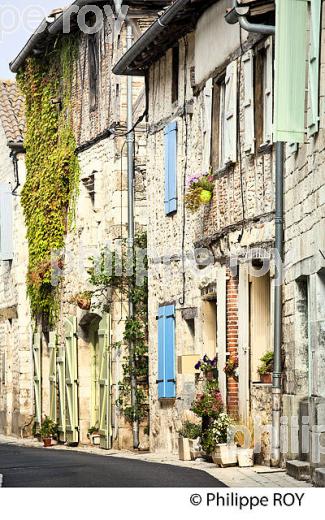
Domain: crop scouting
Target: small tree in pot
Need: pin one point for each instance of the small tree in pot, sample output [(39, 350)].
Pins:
[(48, 431), (265, 369)]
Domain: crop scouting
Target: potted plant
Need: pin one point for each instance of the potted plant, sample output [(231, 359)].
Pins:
[(188, 440), (244, 439), (83, 300), (94, 435), (208, 367), (48, 430), (223, 454), (231, 367), (199, 191), (265, 369)]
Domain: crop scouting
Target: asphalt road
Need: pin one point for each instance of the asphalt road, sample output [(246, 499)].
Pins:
[(43, 467)]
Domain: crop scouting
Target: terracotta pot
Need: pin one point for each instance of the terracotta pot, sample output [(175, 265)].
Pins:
[(225, 455), (84, 303), (47, 441), (205, 196), (266, 378)]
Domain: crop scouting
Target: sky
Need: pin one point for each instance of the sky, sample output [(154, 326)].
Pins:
[(18, 19)]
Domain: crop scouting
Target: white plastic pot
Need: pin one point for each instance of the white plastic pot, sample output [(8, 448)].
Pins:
[(245, 457), (225, 455)]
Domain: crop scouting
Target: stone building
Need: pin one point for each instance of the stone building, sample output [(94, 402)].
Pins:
[(210, 99), (78, 360), (16, 383)]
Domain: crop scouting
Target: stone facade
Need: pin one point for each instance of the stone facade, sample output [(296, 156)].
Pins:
[(239, 220)]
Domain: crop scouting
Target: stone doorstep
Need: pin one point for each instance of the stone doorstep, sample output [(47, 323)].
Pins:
[(319, 477), (298, 469)]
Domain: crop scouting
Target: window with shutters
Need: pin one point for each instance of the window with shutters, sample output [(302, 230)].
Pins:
[(170, 135), (166, 381), (93, 61), (6, 222), (175, 73), (263, 93)]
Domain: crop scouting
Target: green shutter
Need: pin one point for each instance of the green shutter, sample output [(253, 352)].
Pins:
[(290, 67), (60, 361), (37, 378), (313, 68), (52, 377), (104, 382), (71, 381)]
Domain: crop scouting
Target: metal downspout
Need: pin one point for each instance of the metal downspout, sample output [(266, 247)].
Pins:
[(245, 24), (277, 371), (130, 161)]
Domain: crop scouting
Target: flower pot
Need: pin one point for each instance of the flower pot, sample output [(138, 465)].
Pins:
[(225, 455), (47, 442), (95, 439), (245, 457), (84, 303), (205, 196), (266, 378), (209, 375)]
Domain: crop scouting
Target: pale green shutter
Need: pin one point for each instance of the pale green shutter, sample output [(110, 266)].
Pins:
[(268, 91), (313, 68), (37, 377), (290, 68), (52, 377), (71, 381), (230, 137), (60, 360), (104, 360)]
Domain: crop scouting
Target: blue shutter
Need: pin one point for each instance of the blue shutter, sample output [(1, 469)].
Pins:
[(166, 352), (171, 168), (161, 352), (6, 222)]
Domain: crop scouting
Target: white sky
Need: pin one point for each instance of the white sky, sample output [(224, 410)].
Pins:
[(18, 19)]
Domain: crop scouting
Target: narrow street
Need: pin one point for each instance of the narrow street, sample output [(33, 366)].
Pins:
[(33, 467)]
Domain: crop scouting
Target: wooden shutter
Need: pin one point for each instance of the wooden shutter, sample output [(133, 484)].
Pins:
[(6, 222), (104, 382), (248, 72), (166, 352), (53, 377), (171, 168), (71, 381), (313, 67), (37, 378), (290, 66), (207, 123), (230, 137), (268, 91), (61, 393)]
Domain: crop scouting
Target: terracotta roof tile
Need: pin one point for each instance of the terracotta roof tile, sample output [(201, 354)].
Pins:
[(12, 111)]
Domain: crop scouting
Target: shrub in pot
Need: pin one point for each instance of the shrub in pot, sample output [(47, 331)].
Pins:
[(48, 431), (188, 440), (265, 369), (215, 442)]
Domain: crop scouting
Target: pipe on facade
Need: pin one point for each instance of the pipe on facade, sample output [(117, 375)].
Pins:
[(238, 14), (279, 158), (130, 162), (122, 67)]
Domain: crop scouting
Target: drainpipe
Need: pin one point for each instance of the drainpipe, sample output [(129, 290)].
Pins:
[(237, 14), (130, 161)]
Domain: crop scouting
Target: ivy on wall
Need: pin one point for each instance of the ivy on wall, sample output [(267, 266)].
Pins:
[(52, 167)]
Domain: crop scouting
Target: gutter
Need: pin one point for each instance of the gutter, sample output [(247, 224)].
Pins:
[(239, 15), (122, 68)]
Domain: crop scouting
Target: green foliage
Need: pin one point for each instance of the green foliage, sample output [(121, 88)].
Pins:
[(217, 433), (266, 366), (52, 166), (191, 430), (48, 428), (209, 403)]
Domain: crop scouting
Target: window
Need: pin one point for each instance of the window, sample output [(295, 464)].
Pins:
[(175, 73), (224, 119), (93, 60), (166, 352), (6, 222), (263, 98), (171, 168)]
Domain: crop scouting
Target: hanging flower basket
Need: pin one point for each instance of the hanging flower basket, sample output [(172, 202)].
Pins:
[(199, 191), (231, 368)]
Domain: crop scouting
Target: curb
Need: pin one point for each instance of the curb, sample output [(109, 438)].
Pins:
[(1, 480)]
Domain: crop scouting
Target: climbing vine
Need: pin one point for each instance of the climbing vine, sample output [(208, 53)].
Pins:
[(52, 167), (128, 275)]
